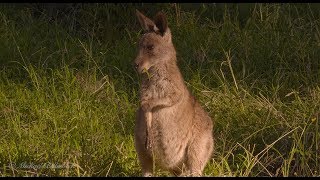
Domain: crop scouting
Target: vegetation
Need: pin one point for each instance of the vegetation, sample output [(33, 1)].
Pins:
[(69, 92)]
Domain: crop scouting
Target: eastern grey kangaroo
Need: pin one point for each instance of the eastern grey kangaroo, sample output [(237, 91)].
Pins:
[(171, 127)]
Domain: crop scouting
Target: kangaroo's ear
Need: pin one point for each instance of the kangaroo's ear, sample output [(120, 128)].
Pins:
[(146, 24), (161, 22)]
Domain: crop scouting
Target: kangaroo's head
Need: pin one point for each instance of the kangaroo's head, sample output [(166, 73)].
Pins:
[(155, 45)]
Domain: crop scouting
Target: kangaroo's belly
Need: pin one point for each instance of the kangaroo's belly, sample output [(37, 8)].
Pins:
[(170, 136)]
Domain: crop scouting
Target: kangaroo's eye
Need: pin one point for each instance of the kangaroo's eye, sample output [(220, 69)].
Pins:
[(150, 47)]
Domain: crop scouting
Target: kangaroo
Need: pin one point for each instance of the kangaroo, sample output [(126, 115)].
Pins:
[(171, 130)]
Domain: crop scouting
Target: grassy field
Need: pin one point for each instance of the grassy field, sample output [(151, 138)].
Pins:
[(68, 91)]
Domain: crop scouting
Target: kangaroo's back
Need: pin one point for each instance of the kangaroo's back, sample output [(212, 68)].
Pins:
[(171, 126)]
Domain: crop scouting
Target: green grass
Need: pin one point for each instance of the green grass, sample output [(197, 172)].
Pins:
[(68, 91)]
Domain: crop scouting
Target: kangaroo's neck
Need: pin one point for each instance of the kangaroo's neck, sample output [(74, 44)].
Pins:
[(168, 70)]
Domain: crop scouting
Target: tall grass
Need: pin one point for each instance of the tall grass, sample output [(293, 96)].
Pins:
[(68, 92)]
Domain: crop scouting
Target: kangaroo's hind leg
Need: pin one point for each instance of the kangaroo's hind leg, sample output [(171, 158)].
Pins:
[(198, 154)]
